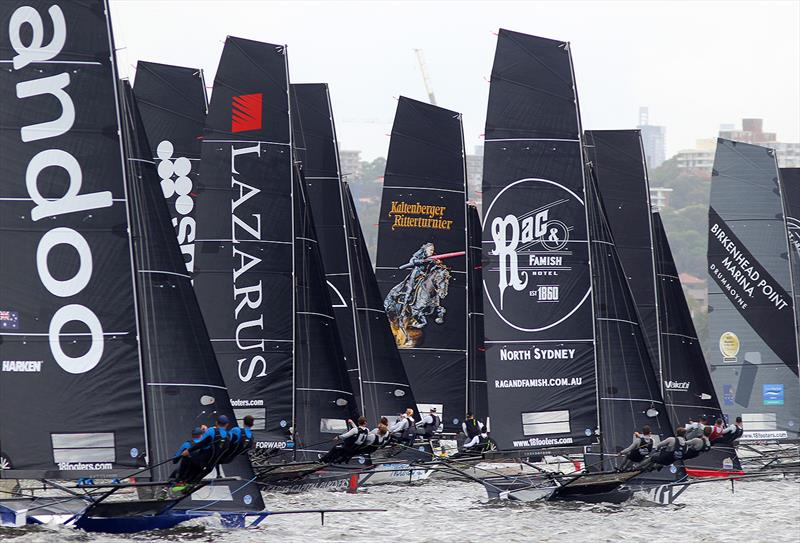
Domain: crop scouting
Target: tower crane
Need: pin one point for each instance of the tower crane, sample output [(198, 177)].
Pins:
[(425, 78)]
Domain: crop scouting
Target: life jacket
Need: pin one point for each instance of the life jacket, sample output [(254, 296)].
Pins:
[(358, 439), (473, 428), (431, 427), (645, 445), (737, 433), (679, 451), (716, 432)]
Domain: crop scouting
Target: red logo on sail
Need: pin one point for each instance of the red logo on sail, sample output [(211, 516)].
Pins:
[(246, 112)]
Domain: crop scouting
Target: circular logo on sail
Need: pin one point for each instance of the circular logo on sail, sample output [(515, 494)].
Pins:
[(729, 346), (538, 274)]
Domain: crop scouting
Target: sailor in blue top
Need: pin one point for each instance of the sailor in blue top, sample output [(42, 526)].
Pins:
[(184, 456), (240, 440)]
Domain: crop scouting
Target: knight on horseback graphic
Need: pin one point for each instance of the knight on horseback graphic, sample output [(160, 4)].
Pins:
[(410, 302)]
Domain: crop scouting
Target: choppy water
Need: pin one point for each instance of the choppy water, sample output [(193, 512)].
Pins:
[(766, 511)]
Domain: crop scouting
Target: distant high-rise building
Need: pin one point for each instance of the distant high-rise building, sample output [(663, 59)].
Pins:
[(350, 163), (702, 156), (653, 139), (475, 175)]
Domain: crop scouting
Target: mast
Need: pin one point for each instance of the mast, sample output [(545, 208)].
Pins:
[(71, 322), (423, 207), (183, 383), (751, 311), (540, 352)]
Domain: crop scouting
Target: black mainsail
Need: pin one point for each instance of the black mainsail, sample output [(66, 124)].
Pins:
[(172, 101), (751, 313), (423, 216), (540, 359), (258, 275), (244, 261), (688, 391), (621, 174), (184, 386), (790, 188), (376, 373), (476, 351), (629, 392), (68, 321)]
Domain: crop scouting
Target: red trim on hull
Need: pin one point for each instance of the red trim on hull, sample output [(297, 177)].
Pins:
[(694, 472)]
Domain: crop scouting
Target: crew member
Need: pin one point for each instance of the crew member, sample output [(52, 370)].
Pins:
[(183, 457), (240, 440), (668, 451), (430, 423), (639, 449), (698, 445), (695, 428), (731, 433), (376, 439), (472, 428), (349, 442), (403, 428), (716, 430)]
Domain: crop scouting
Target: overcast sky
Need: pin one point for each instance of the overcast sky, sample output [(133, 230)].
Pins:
[(695, 64)]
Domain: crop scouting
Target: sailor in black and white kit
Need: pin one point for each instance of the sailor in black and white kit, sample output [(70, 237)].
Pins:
[(349, 442), (472, 428), (430, 423)]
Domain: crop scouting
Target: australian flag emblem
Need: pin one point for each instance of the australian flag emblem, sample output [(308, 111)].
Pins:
[(9, 320)]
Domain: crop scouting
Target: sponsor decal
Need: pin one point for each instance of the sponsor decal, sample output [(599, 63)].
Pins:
[(533, 253), (247, 403), (246, 112), (81, 466), (538, 383), (750, 288), (26, 33), (22, 366), (176, 183), (9, 320), (417, 215), (729, 346), (728, 394), (247, 289), (272, 445), (537, 353), (764, 435), (681, 386), (543, 442), (772, 394)]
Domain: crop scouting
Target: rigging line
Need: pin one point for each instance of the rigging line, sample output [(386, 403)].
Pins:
[(425, 188), (315, 314), (617, 320), (678, 335)]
